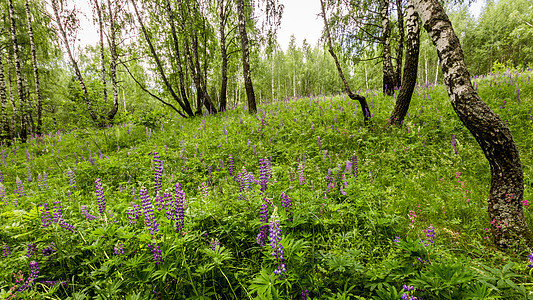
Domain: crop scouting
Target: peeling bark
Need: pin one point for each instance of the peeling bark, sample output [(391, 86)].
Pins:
[(411, 67), (388, 70), (507, 183), (362, 100), (35, 69), (252, 107), (399, 52)]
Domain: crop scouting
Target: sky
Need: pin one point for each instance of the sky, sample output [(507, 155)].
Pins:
[(300, 17)]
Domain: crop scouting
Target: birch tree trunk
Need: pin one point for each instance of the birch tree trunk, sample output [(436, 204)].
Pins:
[(399, 53), (18, 73), (252, 107), (224, 56), (411, 67), (13, 128), (62, 31), (362, 100), (102, 49), (35, 69), (6, 132), (114, 57), (507, 184), (388, 71)]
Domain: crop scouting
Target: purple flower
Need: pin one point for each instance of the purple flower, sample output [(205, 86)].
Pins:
[(32, 249), (20, 188), (66, 225), (34, 273), (453, 144), (133, 212), (275, 243), (301, 174), (231, 165), (49, 250), (156, 253), (58, 211), (71, 178), (100, 196), (319, 145), (86, 214), (2, 174), (287, 204), (45, 215), (354, 169), (179, 207), (263, 230), (158, 172), (204, 189), (305, 293), (530, 257), (408, 288), (5, 250), (214, 245), (119, 249), (397, 239), (265, 172)]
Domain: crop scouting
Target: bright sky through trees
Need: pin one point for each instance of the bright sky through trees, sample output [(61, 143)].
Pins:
[(300, 17)]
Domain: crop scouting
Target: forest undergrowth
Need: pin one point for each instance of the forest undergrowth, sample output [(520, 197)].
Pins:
[(301, 201)]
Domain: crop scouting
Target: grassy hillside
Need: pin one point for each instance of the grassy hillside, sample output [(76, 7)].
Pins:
[(363, 212)]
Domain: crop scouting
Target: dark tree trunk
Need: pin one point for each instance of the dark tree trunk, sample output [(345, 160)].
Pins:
[(224, 56), (507, 183), (183, 92), (113, 63), (55, 7), (18, 73), (399, 53), (35, 70), (203, 85), (158, 62), (388, 71), (411, 67), (6, 132), (362, 100), (252, 107)]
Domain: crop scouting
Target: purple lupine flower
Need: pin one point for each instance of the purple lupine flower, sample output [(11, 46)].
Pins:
[(49, 250), (264, 170), (529, 257), (119, 249), (430, 234), (20, 188), (231, 165), (52, 283), (275, 243), (5, 250), (158, 172), (287, 204), (148, 211), (34, 273), (28, 157), (324, 155), (179, 207), (224, 129), (71, 178), (319, 145), (261, 237), (291, 177), (58, 211), (100, 196), (453, 144), (305, 293), (66, 225), (86, 213), (408, 288), (355, 171), (45, 215), (203, 188), (348, 168), (32, 250), (214, 245), (2, 174), (312, 186), (131, 213), (301, 174), (100, 153), (76, 158), (156, 253)]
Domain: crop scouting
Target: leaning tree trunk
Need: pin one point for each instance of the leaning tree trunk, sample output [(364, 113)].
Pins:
[(507, 183), (35, 70), (362, 100), (224, 56), (399, 53), (411, 67), (252, 107), (102, 49), (6, 132), (388, 71), (18, 72), (62, 31), (113, 63)]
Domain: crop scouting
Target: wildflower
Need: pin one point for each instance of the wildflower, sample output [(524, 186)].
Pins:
[(301, 175), (158, 172), (355, 171), (148, 211), (49, 250), (66, 225), (275, 243), (453, 144), (203, 188), (119, 249), (156, 253), (34, 273), (408, 288), (100, 196), (287, 204), (397, 239), (412, 216), (179, 206), (261, 237), (45, 215), (20, 188), (319, 145), (131, 212), (430, 234), (71, 178), (32, 249), (264, 169), (5, 250), (214, 245), (231, 165), (86, 214), (305, 293), (58, 211)]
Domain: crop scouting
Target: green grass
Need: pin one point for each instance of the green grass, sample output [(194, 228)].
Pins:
[(338, 246)]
